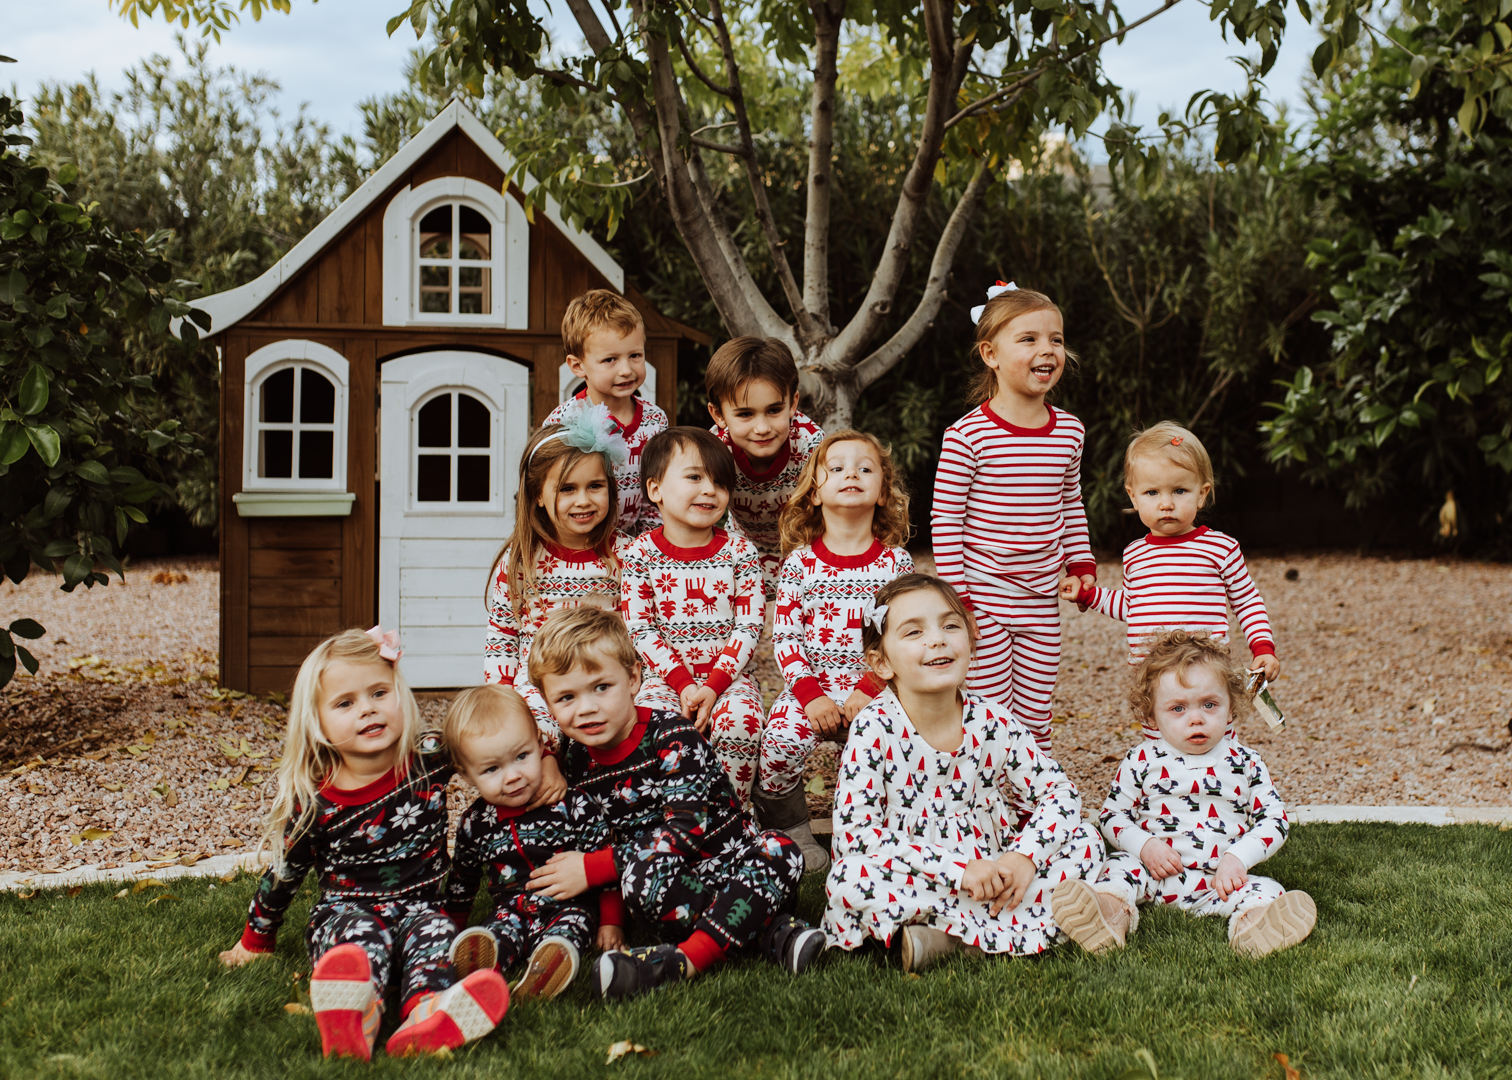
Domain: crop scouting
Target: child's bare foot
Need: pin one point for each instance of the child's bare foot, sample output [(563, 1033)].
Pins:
[(1280, 924), (239, 954), (553, 965), (924, 945), (347, 1009), (457, 1015), (1096, 921)]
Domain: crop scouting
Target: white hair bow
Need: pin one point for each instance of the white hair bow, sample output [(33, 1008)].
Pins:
[(992, 294), (874, 614)]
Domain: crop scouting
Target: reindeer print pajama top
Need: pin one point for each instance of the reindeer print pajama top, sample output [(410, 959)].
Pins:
[(909, 817)]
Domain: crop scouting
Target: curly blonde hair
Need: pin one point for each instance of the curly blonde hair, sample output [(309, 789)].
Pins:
[(803, 519), (1178, 650)]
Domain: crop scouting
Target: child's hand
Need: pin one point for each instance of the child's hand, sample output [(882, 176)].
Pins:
[(610, 938), (1069, 588), (553, 784), (697, 703), (560, 877), (982, 879), (1230, 876), (1160, 859), (239, 954), (824, 714), (1268, 665), (1018, 875), (854, 704)]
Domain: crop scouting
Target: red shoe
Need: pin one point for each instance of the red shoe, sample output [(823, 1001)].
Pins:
[(464, 1012), (346, 1008)]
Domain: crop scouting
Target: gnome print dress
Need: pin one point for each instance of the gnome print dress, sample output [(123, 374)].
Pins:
[(909, 817)]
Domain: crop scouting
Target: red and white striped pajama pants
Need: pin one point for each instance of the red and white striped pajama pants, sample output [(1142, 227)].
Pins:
[(1018, 651)]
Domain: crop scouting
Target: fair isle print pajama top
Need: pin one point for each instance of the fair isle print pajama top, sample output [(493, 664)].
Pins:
[(908, 818)]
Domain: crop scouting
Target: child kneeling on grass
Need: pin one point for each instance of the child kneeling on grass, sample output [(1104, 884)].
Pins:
[(951, 824), (362, 802), (495, 744), (1190, 813), (693, 867)]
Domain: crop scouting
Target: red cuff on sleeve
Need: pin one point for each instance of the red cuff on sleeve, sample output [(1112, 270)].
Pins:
[(1080, 568), (966, 600), (807, 689), (253, 941), (678, 678), (1085, 594), (1262, 647), (871, 684), (718, 681), (599, 866), (611, 908)]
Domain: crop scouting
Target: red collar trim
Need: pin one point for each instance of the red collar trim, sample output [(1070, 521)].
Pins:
[(689, 554), (1014, 429), (366, 793), (1160, 541), (743, 463), (572, 555), (625, 429), (626, 746), (846, 562), (509, 813)]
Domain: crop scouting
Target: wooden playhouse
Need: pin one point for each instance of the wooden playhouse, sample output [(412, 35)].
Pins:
[(377, 388)]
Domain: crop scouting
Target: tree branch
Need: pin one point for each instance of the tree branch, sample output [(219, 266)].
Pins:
[(717, 147), (687, 55), (828, 18)]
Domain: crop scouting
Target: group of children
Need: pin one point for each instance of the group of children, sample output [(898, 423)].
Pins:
[(628, 771)]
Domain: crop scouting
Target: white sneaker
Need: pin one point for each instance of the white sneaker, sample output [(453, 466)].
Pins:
[(474, 949), (552, 967)]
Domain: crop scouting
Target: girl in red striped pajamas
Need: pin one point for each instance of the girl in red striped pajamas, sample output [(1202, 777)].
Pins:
[(1010, 531)]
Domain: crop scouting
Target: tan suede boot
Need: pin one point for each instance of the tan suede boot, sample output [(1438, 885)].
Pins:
[(1097, 921), (924, 945), (1280, 924)]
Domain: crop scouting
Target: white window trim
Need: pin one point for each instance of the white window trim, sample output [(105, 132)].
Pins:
[(260, 365), (566, 379), (416, 451), (453, 377), (510, 303)]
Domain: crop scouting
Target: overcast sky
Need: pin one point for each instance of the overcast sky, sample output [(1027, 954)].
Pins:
[(334, 53)]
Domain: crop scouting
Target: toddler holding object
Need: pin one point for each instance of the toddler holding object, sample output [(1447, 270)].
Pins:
[(844, 528), (493, 741), (752, 385), (1190, 814), (951, 824), (692, 600), (605, 340), (1008, 514), (362, 802), (693, 867)]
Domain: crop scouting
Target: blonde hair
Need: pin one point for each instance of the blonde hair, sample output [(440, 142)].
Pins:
[(581, 636), (1178, 446), (871, 637), (1001, 310), (309, 759), (482, 710), (542, 467), (1178, 650), (802, 520), (595, 310)]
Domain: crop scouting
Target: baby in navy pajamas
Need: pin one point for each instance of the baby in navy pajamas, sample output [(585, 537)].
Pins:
[(516, 825)]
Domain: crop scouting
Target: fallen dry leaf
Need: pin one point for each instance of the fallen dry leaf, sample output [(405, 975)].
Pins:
[(192, 858), (1291, 1073), (121, 895), (230, 876), (625, 1046), (27, 895), (74, 890), (147, 883), (112, 787), (93, 833), (815, 786), (36, 789), (164, 896), (297, 1009)]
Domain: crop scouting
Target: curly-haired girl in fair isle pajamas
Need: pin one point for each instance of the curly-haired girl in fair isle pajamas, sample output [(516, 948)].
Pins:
[(951, 824), (362, 802), (1008, 515)]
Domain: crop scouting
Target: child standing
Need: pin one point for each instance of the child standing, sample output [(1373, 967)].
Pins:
[(933, 786), (692, 600), (1008, 515), (493, 741), (693, 867), (1190, 814), (605, 339), (752, 385), (1180, 576), (564, 551), (362, 802), (845, 527)]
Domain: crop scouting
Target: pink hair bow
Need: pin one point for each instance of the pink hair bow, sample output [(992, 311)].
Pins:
[(387, 642)]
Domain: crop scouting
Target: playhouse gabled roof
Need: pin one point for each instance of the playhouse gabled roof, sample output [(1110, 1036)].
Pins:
[(228, 308)]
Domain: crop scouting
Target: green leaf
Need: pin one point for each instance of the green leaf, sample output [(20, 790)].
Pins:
[(46, 442), (27, 628), (67, 174), (1322, 57), (75, 569), (12, 285), (13, 443), (33, 397), (28, 661), (92, 471)]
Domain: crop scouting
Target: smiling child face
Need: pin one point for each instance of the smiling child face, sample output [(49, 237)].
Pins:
[(359, 710), (579, 501), (593, 703), (851, 476), (926, 648), (504, 764)]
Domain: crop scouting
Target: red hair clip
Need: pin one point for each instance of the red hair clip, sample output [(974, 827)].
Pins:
[(1176, 441)]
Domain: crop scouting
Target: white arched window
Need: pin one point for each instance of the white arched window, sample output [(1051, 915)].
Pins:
[(455, 252), (454, 450), (295, 419)]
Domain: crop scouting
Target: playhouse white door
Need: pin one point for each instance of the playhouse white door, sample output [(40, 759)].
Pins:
[(453, 426)]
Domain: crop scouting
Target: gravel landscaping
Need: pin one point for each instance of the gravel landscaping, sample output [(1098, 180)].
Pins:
[(1396, 680)]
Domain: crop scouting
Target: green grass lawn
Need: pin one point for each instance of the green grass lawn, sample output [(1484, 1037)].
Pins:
[(1405, 976)]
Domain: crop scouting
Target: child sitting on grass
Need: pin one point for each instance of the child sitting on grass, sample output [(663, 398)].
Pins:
[(752, 385), (691, 596), (362, 801), (1190, 814), (693, 867), (494, 743), (951, 824)]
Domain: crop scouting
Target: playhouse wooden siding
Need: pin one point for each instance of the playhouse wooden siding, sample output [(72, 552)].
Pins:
[(288, 582)]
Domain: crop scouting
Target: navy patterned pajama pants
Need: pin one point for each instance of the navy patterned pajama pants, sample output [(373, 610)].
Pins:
[(416, 935), (520, 927)]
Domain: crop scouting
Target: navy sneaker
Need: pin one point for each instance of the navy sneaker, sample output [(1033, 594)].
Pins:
[(792, 944), (635, 971)]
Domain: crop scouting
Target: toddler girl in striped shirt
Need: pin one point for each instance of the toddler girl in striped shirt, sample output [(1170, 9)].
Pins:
[(1010, 531), (1181, 576)]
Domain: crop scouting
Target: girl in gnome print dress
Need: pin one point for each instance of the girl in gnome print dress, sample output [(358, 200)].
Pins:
[(951, 824)]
